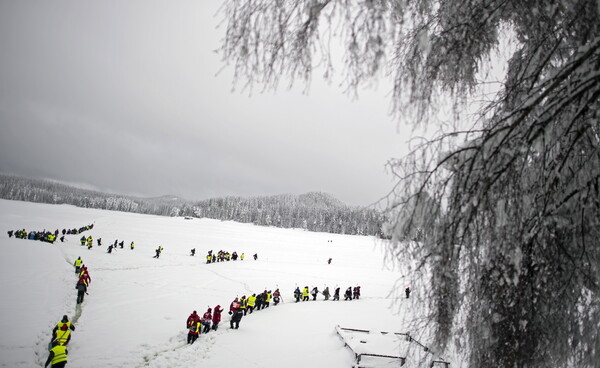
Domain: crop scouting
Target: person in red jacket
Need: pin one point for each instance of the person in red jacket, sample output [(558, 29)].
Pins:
[(216, 317), (235, 304), (84, 273), (191, 319), (206, 320)]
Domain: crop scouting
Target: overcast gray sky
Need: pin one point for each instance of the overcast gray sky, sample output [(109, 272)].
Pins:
[(123, 96)]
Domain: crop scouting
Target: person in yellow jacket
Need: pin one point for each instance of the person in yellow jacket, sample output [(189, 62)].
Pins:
[(251, 303), (57, 356), (305, 294), (90, 241), (77, 264), (62, 331), (244, 304), (131, 246), (268, 296)]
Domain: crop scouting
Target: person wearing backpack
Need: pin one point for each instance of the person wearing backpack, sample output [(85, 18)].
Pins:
[(336, 293), (348, 294), (194, 317), (62, 331), (207, 320), (81, 289), (57, 356), (297, 294), (314, 292), (193, 332), (326, 293)]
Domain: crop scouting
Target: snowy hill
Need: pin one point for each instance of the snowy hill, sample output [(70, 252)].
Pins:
[(134, 315)]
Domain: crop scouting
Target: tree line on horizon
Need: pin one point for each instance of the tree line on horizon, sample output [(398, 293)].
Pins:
[(311, 211)]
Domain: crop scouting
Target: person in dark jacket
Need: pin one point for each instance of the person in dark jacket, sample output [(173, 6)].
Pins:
[(326, 293), (336, 293), (297, 294), (236, 317), (314, 292), (81, 290), (348, 294), (407, 291), (260, 298)]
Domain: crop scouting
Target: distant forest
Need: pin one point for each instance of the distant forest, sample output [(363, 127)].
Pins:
[(311, 211)]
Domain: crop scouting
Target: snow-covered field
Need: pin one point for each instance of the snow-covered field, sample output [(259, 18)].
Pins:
[(135, 313)]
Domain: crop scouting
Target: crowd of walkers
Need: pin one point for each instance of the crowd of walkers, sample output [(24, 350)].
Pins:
[(46, 235), (243, 306), (238, 308), (305, 294), (221, 256), (197, 325)]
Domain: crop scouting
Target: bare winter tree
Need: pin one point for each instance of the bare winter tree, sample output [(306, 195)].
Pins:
[(511, 205)]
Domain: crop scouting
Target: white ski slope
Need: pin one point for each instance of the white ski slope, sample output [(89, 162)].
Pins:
[(135, 313)]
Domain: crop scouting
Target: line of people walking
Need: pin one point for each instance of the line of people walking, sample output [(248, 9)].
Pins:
[(304, 294), (84, 279), (45, 235), (120, 244), (61, 334), (238, 308), (197, 325)]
